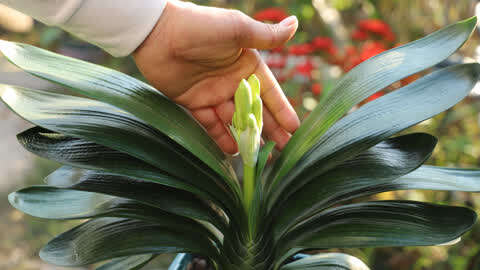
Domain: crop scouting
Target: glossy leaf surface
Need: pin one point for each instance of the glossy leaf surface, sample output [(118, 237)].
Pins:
[(89, 155), (57, 203), (106, 238), (367, 78), (380, 119), (167, 199), (374, 170), (327, 261), (441, 178), (108, 126), (127, 263), (382, 223), (122, 91)]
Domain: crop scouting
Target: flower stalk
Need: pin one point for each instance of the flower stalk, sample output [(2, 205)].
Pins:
[(246, 128)]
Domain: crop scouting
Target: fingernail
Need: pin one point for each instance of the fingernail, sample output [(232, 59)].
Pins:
[(289, 21)]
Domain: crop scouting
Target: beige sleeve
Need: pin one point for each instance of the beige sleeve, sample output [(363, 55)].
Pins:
[(117, 26)]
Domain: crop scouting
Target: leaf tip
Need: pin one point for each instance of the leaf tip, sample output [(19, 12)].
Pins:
[(471, 22), (13, 199), (7, 48)]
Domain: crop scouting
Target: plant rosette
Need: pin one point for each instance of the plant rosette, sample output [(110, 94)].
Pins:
[(149, 180)]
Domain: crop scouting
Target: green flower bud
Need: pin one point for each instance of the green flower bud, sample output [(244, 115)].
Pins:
[(252, 121), (255, 85), (257, 110), (249, 142), (247, 120), (243, 103)]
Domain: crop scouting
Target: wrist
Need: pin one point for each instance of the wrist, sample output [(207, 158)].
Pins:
[(159, 30)]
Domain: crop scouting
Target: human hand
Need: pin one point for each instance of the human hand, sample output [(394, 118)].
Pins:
[(197, 56)]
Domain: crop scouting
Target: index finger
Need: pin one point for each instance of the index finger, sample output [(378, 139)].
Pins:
[(275, 100)]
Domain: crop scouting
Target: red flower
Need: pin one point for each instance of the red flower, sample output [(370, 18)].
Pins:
[(374, 26), (301, 49), (353, 62), (375, 96), (378, 27), (351, 59), (271, 14), (389, 36), (305, 69), (359, 35), (324, 44), (350, 51), (317, 88), (371, 49)]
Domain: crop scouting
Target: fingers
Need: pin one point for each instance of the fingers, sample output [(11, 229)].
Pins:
[(250, 33), (280, 119), (275, 100), (216, 129), (273, 131), (225, 111)]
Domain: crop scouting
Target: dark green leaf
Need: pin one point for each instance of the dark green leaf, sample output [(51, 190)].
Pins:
[(263, 155), (378, 120), (373, 171), (328, 261), (86, 154), (106, 125), (122, 91), (162, 197), (367, 78), (381, 223), (127, 263), (440, 178), (106, 238), (56, 203), (256, 211)]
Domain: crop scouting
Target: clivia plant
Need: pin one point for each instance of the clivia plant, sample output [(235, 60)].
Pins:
[(150, 180)]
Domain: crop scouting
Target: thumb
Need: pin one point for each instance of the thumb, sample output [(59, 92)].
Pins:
[(257, 35)]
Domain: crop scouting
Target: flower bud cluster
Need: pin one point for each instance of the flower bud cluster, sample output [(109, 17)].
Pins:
[(247, 120)]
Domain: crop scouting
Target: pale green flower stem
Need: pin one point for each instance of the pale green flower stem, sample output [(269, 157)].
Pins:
[(248, 185)]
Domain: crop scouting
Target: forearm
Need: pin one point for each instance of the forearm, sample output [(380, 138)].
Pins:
[(118, 27)]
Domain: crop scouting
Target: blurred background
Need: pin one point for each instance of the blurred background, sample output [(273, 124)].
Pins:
[(334, 36)]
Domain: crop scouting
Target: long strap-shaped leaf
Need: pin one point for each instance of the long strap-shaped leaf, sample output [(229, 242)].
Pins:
[(327, 261), (378, 120), (106, 125), (441, 178), (86, 154), (170, 200), (122, 91), (367, 78), (106, 238), (340, 187), (373, 170), (128, 263), (381, 223), (57, 203)]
